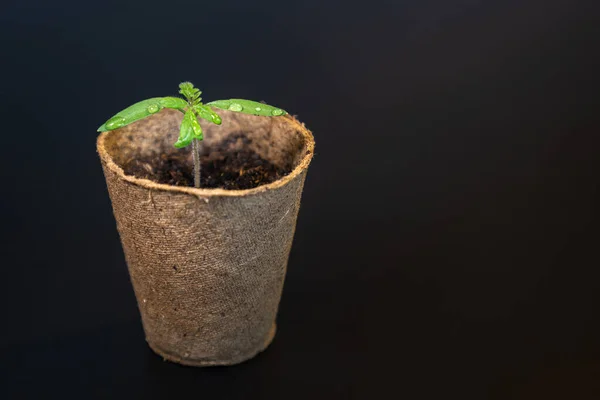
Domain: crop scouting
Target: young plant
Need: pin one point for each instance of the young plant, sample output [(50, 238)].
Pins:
[(190, 131)]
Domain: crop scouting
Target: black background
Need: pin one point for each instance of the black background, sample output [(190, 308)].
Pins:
[(447, 245)]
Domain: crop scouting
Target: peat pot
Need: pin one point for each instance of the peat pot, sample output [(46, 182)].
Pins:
[(207, 265)]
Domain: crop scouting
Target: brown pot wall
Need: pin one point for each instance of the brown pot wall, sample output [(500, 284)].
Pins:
[(207, 265)]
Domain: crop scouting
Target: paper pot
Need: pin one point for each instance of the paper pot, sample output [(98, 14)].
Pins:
[(207, 265)]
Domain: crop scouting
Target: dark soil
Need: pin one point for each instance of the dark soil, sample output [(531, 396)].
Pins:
[(234, 171)]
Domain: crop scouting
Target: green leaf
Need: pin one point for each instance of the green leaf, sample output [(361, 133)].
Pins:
[(247, 107), (190, 129), (206, 113), (195, 125), (175, 103), (190, 92), (186, 133), (133, 113)]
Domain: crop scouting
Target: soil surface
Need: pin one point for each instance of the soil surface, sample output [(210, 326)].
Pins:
[(233, 171)]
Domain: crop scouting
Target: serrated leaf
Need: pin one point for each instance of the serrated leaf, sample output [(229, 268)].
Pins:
[(248, 107), (132, 113), (175, 103), (189, 91), (196, 128), (186, 130), (206, 113)]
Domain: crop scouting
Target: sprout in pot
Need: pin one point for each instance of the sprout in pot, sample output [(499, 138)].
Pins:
[(192, 108), (207, 263)]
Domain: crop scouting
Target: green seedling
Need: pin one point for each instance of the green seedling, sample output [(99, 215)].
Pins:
[(190, 131)]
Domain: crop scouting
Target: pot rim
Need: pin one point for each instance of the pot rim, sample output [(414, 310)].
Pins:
[(206, 193)]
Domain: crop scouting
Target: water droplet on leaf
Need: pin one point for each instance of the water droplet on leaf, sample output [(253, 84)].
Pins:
[(236, 107), (152, 108), (114, 123), (277, 111)]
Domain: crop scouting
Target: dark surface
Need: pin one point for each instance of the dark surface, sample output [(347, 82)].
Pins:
[(447, 244), (234, 170)]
